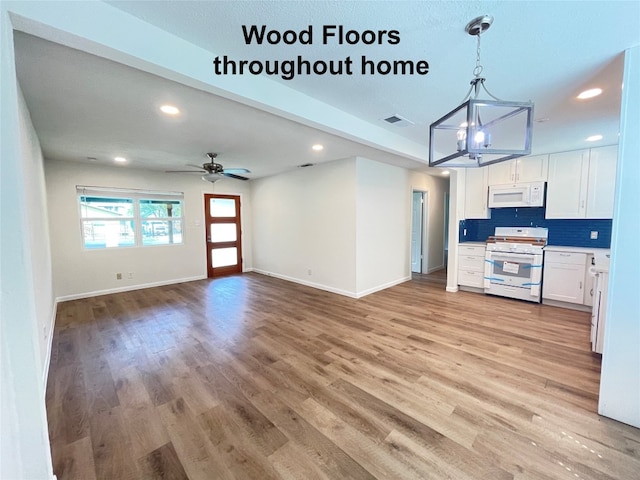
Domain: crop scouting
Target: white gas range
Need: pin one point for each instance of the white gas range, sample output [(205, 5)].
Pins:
[(513, 262)]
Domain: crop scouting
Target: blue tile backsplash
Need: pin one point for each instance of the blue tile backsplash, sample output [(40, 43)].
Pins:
[(569, 232)]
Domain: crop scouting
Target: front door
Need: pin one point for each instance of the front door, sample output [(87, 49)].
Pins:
[(223, 234)]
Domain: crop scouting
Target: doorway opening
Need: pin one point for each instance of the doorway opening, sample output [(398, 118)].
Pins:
[(418, 230), (223, 234)]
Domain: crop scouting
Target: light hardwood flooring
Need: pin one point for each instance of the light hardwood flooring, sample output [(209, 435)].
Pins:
[(251, 377)]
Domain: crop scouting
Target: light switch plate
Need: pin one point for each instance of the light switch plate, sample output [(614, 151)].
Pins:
[(594, 235)]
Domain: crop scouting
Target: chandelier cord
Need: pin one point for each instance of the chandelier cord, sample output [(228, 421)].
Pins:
[(477, 71)]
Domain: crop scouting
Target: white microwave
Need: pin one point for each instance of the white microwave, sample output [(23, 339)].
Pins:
[(516, 195)]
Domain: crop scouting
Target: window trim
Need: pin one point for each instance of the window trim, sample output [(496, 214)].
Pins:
[(135, 195)]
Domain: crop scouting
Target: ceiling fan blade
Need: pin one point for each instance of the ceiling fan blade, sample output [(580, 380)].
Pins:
[(231, 175), (236, 170), (199, 167), (185, 171)]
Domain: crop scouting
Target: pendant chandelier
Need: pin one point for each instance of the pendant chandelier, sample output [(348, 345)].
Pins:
[(480, 132)]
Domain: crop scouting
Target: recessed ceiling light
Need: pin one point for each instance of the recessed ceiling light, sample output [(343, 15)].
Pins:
[(594, 138), (446, 172), (592, 92), (169, 109), (317, 147), (120, 160)]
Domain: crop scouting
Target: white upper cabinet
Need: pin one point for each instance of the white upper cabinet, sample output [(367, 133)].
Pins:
[(582, 183), (476, 193), (503, 172), (520, 170), (602, 182), (567, 187), (532, 169)]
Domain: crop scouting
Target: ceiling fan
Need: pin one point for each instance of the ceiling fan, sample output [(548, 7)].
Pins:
[(214, 171)]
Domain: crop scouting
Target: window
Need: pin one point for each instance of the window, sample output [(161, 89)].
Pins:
[(114, 218)]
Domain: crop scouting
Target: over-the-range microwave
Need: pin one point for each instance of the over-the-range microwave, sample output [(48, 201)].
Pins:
[(516, 195)]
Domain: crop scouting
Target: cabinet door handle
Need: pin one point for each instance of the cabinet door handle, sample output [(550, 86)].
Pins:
[(580, 285), (582, 204)]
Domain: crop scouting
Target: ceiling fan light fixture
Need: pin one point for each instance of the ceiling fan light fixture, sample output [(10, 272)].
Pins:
[(212, 177), (481, 132)]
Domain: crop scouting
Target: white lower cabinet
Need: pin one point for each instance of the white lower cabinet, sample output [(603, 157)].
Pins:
[(471, 265), (564, 277)]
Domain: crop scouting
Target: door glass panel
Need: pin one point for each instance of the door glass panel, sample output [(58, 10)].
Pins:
[(223, 232), (223, 257), (223, 207)]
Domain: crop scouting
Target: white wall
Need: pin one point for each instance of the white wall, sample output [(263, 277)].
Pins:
[(25, 300), (79, 273), (304, 221), (39, 244), (436, 188), (383, 226), (620, 383)]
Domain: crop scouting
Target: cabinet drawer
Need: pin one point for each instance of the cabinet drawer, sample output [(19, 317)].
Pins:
[(471, 262), (471, 278), (472, 250), (566, 258)]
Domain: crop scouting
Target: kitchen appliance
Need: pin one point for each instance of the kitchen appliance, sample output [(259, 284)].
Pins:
[(598, 315), (516, 195), (513, 262)]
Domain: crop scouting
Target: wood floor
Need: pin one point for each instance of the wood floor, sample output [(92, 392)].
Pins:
[(251, 377)]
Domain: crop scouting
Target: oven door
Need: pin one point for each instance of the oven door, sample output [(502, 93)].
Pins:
[(517, 275)]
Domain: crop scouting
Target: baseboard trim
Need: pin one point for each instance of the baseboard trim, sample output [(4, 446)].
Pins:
[(452, 289), (319, 286), (327, 288), (96, 293), (47, 362), (383, 287), (435, 269), (570, 306)]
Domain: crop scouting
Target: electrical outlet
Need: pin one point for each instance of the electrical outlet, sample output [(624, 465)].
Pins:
[(594, 235), (309, 272), (118, 276), (130, 275)]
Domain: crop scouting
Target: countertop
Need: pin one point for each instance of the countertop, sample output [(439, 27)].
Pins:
[(557, 248), (473, 244), (602, 256)]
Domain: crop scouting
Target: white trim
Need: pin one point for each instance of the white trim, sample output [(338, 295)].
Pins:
[(305, 283), (47, 363), (85, 190), (452, 289), (331, 289), (129, 288), (435, 269), (383, 287)]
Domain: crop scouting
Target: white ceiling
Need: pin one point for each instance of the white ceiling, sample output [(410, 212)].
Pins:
[(87, 106)]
